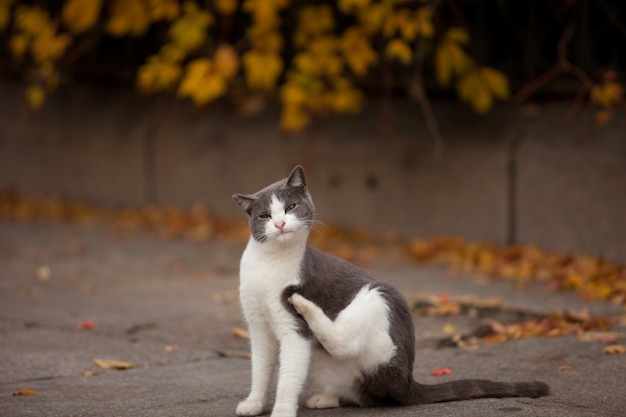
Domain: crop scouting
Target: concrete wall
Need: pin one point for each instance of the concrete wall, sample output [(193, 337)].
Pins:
[(503, 176)]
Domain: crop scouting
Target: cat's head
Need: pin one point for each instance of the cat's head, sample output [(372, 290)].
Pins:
[(281, 212)]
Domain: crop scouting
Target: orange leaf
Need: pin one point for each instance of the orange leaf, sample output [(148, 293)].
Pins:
[(25, 392), (441, 372), (240, 333), (615, 349), (113, 364)]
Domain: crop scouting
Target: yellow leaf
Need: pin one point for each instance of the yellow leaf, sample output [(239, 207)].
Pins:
[(458, 35), (25, 392), (371, 18), (163, 9), (345, 98), (424, 23), (226, 7), (35, 95), (226, 61), (496, 81), (348, 6), (158, 75), (190, 30), (293, 94), (33, 21), (80, 15), (262, 69), (128, 18), (400, 50), (265, 12), (357, 51), (50, 47), (607, 94), (474, 91), (265, 39), (18, 44), (5, 13), (313, 21), (172, 52), (450, 60), (113, 364), (201, 82)]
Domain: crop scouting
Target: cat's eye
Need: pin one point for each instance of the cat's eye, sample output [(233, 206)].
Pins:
[(265, 216), (290, 207)]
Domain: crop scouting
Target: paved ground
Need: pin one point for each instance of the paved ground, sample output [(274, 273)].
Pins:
[(169, 308)]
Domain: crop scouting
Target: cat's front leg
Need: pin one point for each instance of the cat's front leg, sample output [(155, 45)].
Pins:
[(264, 348), (295, 355)]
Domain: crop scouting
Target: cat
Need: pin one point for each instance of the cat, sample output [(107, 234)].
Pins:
[(321, 319)]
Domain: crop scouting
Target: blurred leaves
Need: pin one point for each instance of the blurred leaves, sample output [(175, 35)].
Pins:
[(317, 66), (80, 15), (593, 278)]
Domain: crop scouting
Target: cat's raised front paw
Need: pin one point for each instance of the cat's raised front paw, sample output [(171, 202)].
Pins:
[(300, 303), (250, 407)]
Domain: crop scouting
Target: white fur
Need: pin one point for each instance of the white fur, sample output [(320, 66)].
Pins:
[(266, 269)]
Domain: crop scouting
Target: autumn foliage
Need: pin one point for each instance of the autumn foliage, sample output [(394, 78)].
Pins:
[(592, 278), (314, 57)]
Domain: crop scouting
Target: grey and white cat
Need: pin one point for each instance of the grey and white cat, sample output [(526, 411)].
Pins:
[(322, 319)]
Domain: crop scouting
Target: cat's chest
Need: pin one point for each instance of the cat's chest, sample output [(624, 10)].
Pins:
[(263, 277)]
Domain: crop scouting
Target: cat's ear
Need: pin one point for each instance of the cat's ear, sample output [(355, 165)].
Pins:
[(244, 201), (296, 178)]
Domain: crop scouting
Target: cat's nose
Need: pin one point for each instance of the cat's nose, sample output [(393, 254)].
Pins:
[(280, 225)]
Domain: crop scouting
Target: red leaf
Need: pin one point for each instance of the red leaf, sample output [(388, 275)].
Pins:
[(441, 372), (86, 325)]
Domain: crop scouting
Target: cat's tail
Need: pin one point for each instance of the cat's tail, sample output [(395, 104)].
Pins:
[(466, 389)]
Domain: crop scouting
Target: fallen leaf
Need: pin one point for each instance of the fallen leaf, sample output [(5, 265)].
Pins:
[(615, 349), (43, 273), (441, 372), (89, 373), (86, 325), (604, 337), (240, 333), (448, 329), (25, 392), (113, 364)]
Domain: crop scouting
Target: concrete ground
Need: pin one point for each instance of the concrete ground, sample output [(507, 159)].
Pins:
[(168, 307)]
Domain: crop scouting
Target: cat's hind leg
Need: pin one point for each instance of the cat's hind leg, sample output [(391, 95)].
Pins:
[(360, 332), (332, 379), (323, 400)]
